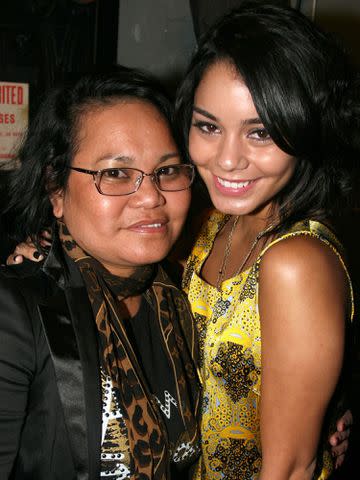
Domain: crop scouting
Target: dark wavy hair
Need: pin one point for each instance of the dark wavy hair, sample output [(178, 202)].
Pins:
[(52, 141), (305, 92)]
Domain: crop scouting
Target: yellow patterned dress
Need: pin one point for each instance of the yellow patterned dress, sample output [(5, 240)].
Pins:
[(228, 324)]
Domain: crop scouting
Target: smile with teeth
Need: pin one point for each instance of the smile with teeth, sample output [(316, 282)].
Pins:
[(234, 185), (153, 225), (148, 226)]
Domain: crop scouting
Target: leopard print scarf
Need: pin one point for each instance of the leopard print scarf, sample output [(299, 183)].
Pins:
[(148, 448)]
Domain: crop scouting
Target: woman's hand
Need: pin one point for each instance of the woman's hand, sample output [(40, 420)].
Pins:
[(28, 250), (339, 440)]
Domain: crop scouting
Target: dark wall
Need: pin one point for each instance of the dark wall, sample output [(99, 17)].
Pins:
[(45, 41), (205, 12)]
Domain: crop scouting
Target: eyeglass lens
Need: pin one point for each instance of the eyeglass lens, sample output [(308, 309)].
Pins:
[(123, 181)]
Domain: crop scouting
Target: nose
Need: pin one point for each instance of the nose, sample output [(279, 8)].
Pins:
[(148, 195), (231, 154)]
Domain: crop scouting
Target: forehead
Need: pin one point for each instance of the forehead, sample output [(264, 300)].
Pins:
[(126, 128), (120, 114), (221, 68), (222, 88)]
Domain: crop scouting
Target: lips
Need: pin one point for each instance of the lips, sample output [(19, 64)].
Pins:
[(149, 226), (233, 187), (232, 184)]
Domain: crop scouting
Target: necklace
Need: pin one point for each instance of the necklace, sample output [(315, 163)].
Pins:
[(222, 270)]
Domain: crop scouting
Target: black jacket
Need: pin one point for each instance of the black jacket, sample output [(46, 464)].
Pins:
[(50, 396), (50, 390)]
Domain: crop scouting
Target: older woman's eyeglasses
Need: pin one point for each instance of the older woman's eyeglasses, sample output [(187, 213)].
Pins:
[(124, 181)]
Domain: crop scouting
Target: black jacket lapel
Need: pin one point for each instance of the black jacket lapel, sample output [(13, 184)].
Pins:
[(68, 323), (85, 329)]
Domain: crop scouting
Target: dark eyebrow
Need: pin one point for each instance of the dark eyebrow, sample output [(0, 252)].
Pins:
[(252, 121), (248, 121), (124, 159), (119, 158), (204, 113), (168, 156)]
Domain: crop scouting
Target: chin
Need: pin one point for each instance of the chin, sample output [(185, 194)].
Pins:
[(233, 206), (230, 207), (155, 257)]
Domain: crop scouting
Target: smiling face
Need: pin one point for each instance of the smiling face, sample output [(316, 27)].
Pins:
[(241, 166), (123, 231)]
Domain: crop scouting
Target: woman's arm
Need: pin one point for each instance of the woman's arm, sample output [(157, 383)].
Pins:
[(16, 367), (302, 300)]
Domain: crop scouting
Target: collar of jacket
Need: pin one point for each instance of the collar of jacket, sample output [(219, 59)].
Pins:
[(71, 334), (58, 267)]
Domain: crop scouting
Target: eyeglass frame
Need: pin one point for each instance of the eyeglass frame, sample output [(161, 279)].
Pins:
[(97, 175)]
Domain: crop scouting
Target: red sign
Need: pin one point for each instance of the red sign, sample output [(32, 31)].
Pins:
[(14, 116)]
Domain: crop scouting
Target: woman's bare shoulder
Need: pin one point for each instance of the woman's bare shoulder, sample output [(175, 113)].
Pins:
[(300, 258)]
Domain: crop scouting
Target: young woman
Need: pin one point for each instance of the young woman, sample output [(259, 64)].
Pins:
[(268, 110)]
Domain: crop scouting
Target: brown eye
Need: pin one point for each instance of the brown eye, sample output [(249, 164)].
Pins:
[(260, 134), (169, 170), (206, 127), (118, 174)]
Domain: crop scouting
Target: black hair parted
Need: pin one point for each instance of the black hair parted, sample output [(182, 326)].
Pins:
[(305, 91), (52, 141)]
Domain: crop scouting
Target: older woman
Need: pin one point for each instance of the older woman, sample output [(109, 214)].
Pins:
[(97, 373)]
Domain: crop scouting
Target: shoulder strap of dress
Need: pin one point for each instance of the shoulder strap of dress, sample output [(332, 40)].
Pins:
[(313, 229)]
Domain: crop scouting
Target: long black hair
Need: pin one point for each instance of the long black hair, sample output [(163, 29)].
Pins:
[(52, 140), (305, 92)]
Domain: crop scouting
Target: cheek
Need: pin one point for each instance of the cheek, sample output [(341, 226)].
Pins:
[(286, 167), (276, 163), (178, 206), (184, 203), (86, 207), (196, 148), (203, 149)]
